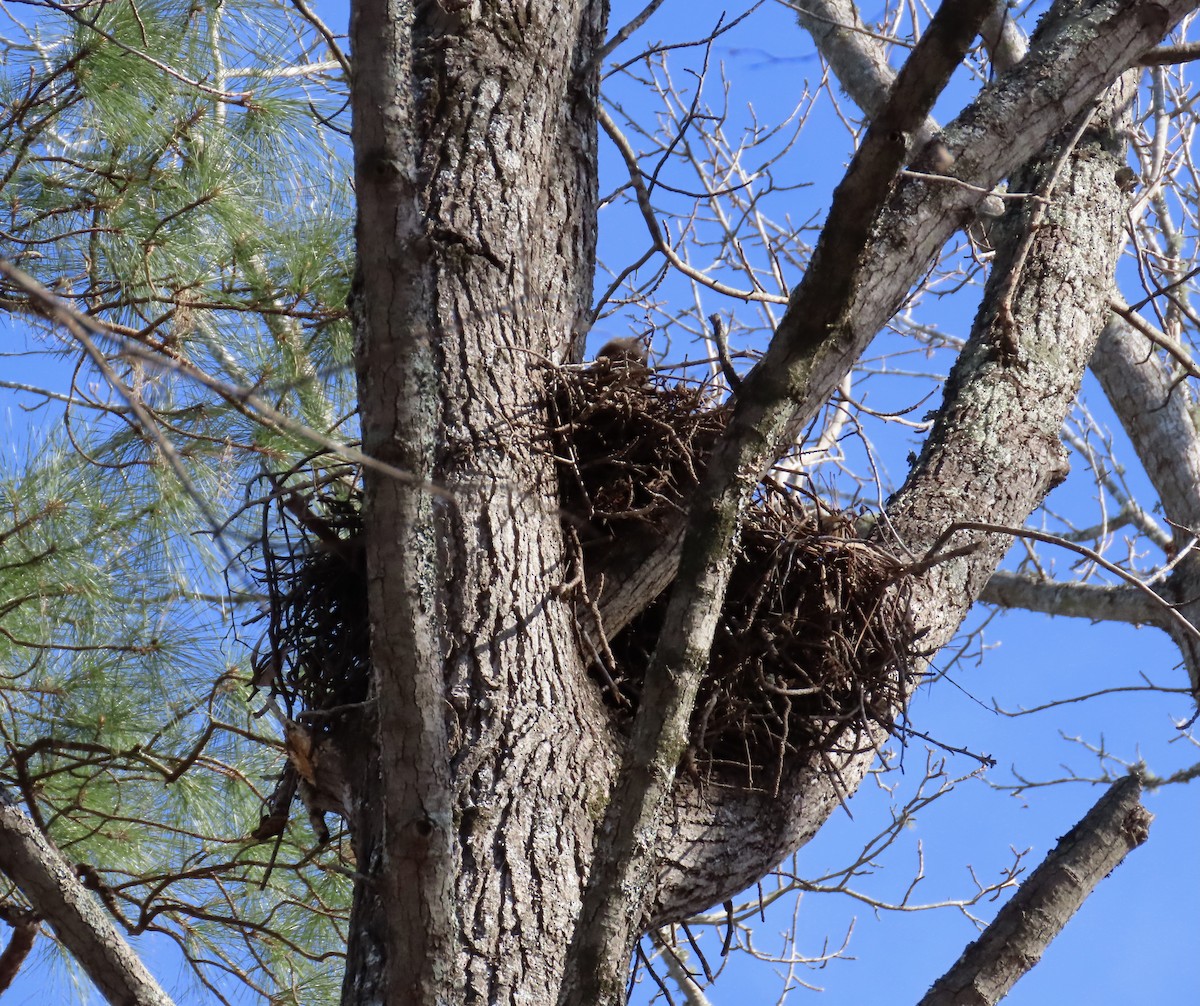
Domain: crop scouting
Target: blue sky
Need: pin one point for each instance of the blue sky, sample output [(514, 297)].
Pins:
[(1135, 939)]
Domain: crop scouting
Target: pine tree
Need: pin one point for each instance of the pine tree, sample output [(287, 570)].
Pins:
[(372, 645)]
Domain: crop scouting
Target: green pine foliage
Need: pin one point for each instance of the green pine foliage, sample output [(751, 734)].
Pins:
[(179, 172)]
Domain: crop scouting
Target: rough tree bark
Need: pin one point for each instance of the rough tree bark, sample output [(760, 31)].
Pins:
[(488, 774), (475, 171)]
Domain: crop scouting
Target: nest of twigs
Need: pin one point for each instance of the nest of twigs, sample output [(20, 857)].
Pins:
[(812, 651), (815, 639), (631, 446), (309, 560)]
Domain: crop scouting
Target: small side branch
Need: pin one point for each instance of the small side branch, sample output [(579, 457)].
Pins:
[(25, 927), (1169, 55), (1043, 905), (721, 338)]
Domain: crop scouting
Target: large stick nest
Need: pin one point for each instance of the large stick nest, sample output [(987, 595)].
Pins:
[(315, 651), (813, 647), (815, 640)]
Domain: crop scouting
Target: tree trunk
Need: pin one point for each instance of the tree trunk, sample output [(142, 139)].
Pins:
[(475, 172)]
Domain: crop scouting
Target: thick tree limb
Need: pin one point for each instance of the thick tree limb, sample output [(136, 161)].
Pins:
[(857, 58), (991, 417), (995, 450), (1025, 926), (474, 141), (32, 863), (614, 902), (996, 447), (1156, 411)]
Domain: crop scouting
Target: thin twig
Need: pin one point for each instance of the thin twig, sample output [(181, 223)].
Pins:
[(1052, 539), (721, 338)]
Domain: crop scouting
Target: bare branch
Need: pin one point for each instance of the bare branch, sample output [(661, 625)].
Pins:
[(1097, 601), (857, 57), (1177, 350), (1005, 42), (1168, 54), (661, 244), (322, 29), (1024, 927), (1169, 615), (621, 35)]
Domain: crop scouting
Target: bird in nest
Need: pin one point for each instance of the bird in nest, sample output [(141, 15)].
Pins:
[(627, 349)]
